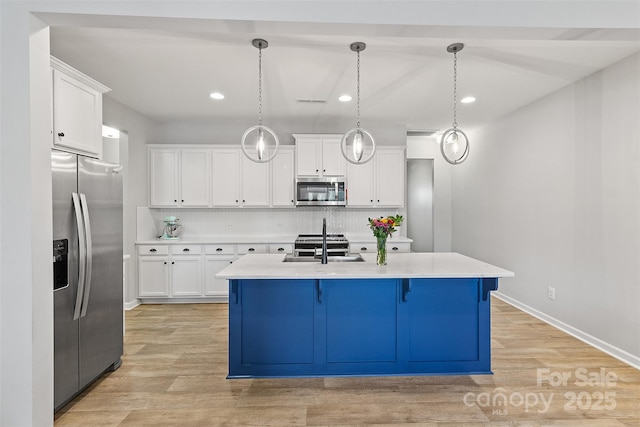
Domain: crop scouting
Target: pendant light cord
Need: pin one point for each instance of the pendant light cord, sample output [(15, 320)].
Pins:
[(260, 85), (455, 90), (358, 91)]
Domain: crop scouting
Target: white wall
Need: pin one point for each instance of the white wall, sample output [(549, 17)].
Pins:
[(140, 131), (552, 192), (26, 292)]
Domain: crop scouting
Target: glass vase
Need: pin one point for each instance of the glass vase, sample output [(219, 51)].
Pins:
[(381, 259)]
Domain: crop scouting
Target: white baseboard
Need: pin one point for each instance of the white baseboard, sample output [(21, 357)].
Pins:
[(195, 300), (611, 350), (131, 304)]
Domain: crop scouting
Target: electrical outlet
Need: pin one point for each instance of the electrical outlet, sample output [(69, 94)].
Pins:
[(551, 293)]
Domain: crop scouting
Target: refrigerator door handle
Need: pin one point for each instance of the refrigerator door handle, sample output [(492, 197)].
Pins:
[(82, 254), (87, 236)]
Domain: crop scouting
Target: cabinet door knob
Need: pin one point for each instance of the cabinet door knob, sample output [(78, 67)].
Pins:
[(153, 250), (236, 201), (165, 263), (251, 249), (173, 262), (371, 200), (175, 200), (186, 250), (182, 201), (243, 200), (218, 249), (61, 134)]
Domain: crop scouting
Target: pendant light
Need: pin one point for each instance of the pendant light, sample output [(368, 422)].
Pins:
[(454, 144), (263, 142), (358, 141)]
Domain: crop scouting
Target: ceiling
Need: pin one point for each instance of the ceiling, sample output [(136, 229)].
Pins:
[(167, 70)]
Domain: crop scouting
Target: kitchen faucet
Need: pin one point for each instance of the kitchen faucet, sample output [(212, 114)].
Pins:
[(324, 241)]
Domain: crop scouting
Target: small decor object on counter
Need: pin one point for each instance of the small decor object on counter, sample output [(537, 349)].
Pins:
[(382, 228), (171, 228)]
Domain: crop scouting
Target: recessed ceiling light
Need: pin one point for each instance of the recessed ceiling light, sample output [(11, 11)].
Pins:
[(344, 98), (468, 100), (216, 95)]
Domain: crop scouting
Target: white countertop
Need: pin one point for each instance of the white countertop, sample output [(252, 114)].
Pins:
[(237, 239), (219, 240), (399, 265)]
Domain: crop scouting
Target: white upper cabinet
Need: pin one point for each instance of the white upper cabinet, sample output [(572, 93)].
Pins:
[(390, 177), (163, 177), (225, 177), (179, 177), (221, 176), (77, 110), (380, 182), (360, 186), (195, 177), (282, 178), (319, 155), (255, 182)]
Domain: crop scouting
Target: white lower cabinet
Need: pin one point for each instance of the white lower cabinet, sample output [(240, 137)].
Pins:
[(176, 272), (214, 287), (186, 276), (173, 272), (281, 248), (372, 247), (153, 276)]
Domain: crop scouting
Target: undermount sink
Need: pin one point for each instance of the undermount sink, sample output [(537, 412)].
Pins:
[(340, 258)]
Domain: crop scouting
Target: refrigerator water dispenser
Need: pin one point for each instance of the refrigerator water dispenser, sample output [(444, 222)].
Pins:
[(60, 264)]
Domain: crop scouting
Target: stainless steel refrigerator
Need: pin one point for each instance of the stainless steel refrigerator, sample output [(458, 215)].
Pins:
[(87, 282)]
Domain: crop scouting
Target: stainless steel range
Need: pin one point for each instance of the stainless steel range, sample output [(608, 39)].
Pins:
[(310, 245)]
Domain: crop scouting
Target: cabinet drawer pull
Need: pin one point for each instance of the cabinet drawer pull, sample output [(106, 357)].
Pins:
[(153, 250), (395, 248), (251, 249), (61, 134), (280, 249), (218, 249), (363, 248), (185, 250)]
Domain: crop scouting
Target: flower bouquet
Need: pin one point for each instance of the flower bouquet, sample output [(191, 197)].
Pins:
[(382, 228)]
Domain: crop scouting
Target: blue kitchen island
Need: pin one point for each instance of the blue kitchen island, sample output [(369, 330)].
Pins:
[(422, 314)]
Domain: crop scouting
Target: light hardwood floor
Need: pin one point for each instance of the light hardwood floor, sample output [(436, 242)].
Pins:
[(175, 362)]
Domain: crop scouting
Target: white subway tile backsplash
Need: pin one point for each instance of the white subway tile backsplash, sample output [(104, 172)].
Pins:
[(264, 222)]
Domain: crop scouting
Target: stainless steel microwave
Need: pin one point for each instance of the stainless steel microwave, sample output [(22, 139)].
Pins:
[(321, 192)]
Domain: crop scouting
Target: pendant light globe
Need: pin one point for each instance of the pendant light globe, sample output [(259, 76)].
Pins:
[(358, 145), (454, 144), (259, 143)]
